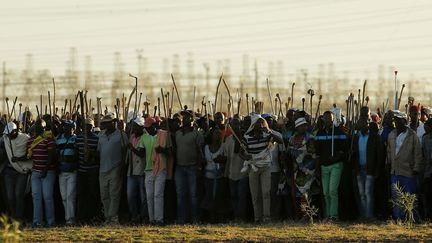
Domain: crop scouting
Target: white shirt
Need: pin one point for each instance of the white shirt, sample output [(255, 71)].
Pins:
[(400, 139)]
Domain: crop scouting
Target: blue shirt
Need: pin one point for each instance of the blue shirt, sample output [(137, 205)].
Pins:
[(362, 147), (66, 152)]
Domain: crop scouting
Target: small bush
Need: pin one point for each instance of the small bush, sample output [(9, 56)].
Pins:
[(309, 210), (406, 201), (10, 231)]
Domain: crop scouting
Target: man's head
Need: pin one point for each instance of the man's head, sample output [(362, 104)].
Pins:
[(301, 125), (187, 119), (138, 126), (68, 127), (426, 112), (363, 125), (414, 114), (328, 119), (219, 119), (39, 126), (235, 125), (400, 120), (107, 122), (388, 119), (11, 130), (150, 125)]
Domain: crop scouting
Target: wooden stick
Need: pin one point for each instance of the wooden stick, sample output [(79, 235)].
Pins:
[(49, 103), (176, 90), (54, 97), (217, 92), (292, 95), (139, 105), (247, 104), (13, 107), (163, 103), (400, 95), (270, 97), (364, 91)]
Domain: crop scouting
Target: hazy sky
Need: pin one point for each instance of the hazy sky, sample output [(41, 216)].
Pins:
[(356, 35)]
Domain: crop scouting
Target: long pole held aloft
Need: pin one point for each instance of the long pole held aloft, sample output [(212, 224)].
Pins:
[(395, 90)]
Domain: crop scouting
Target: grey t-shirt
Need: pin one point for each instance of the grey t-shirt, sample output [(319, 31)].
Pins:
[(188, 147), (110, 149)]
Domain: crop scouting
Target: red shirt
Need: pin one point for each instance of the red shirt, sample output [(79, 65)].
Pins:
[(40, 154)]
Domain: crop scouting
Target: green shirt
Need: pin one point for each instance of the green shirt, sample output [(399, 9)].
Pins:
[(147, 142)]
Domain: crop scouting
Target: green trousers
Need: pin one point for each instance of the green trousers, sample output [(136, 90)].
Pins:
[(330, 176)]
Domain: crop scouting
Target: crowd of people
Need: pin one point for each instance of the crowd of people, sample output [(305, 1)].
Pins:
[(77, 169)]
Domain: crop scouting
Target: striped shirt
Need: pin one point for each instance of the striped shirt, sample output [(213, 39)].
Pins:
[(256, 145), (92, 142), (66, 153), (40, 154)]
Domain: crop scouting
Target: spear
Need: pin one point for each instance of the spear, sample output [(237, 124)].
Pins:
[(176, 90)]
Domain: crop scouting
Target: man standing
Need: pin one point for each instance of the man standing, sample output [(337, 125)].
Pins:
[(111, 147), (331, 147), (15, 171), (88, 195), (68, 159), (41, 149), (189, 143), (404, 153)]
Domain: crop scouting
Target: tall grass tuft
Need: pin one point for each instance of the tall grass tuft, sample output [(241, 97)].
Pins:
[(405, 201), (309, 210), (10, 231)]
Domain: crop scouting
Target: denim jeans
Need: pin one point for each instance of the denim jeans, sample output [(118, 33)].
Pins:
[(67, 183), (186, 189), (239, 190), (15, 190), (155, 188), (42, 193), (365, 184), (409, 184), (136, 195), (330, 176)]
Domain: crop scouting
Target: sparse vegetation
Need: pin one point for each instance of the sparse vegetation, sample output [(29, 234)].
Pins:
[(406, 202), (309, 210), (292, 231), (10, 231)]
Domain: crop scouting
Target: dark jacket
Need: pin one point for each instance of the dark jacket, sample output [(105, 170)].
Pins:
[(375, 153), (323, 144)]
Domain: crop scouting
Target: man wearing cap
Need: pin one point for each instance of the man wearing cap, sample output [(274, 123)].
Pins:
[(404, 153), (41, 149), (88, 191), (16, 170), (111, 146), (68, 165), (136, 193)]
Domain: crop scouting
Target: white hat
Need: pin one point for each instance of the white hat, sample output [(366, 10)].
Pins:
[(9, 128), (400, 114), (139, 121), (300, 121), (130, 116)]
